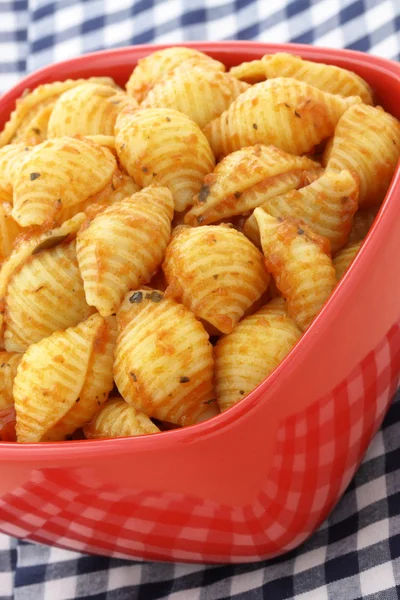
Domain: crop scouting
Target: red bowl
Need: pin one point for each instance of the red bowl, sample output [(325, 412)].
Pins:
[(257, 480)]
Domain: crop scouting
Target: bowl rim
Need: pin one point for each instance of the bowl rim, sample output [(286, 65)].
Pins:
[(71, 450)]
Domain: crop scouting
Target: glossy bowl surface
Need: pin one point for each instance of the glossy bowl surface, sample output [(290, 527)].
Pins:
[(257, 480)]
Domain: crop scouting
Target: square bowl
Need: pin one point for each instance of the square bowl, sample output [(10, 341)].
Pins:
[(257, 480)]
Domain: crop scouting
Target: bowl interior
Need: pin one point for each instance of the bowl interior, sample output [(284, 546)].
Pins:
[(381, 74)]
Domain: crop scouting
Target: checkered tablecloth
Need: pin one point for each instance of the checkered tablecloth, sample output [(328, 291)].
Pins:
[(356, 553)]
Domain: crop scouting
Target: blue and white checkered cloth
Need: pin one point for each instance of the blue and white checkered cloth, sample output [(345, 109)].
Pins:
[(356, 553)]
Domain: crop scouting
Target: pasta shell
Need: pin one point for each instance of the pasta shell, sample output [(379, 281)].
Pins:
[(299, 262), (106, 141), (119, 187), (28, 244), (123, 246), (222, 194), (87, 109), (9, 362), (327, 206), (10, 156), (250, 72), (164, 146), (45, 295), (117, 419), (152, 68), (284, 112), (163, 359), (367, 142), (38, 127), (344, 258), (58, 175), (32, 108), (200, 93), (63, 379), (245, 357), (216, 272), (362, 223), (327, 78), (9, 230)]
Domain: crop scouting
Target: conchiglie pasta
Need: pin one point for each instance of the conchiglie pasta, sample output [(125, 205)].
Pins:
[(366, 142), (106, 141), (119, 187), (10, 156), (9, 230), (152, 68), (9, 362), (299, 262), (327, 206), (245, 357), (224, 190), (164, 146), (284, 112), (327, 78), (63, 380), (344, 258), (123, 246), (250, 72), (216, 272), (57, 176), (200, 93), (87, 109), (163, 359), (27, 245), (45, 295), (117, 418), (34, 109)]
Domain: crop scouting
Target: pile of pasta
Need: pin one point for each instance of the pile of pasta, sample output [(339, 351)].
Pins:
[(164, 246)]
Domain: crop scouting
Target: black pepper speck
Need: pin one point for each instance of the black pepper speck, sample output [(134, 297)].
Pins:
[(204, 192), (136, 298)]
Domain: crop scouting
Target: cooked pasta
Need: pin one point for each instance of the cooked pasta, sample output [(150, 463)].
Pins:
[(250, 72), (87, 109), (10, 157), (245, 357), (33, 108), (164, 146), (9, 229), (152, 68), (119, 187), (106, 141), (62, 380), (344, 258), (199, 92), (28, 245), (59, 175), (327, 206), (9, 362), (284, 112), (216, 272), (327, 78), (35, 293), (366, 142), (300, 263), (166, 244), (225, 191), (123, 245), (163, 359), (117, 418)]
